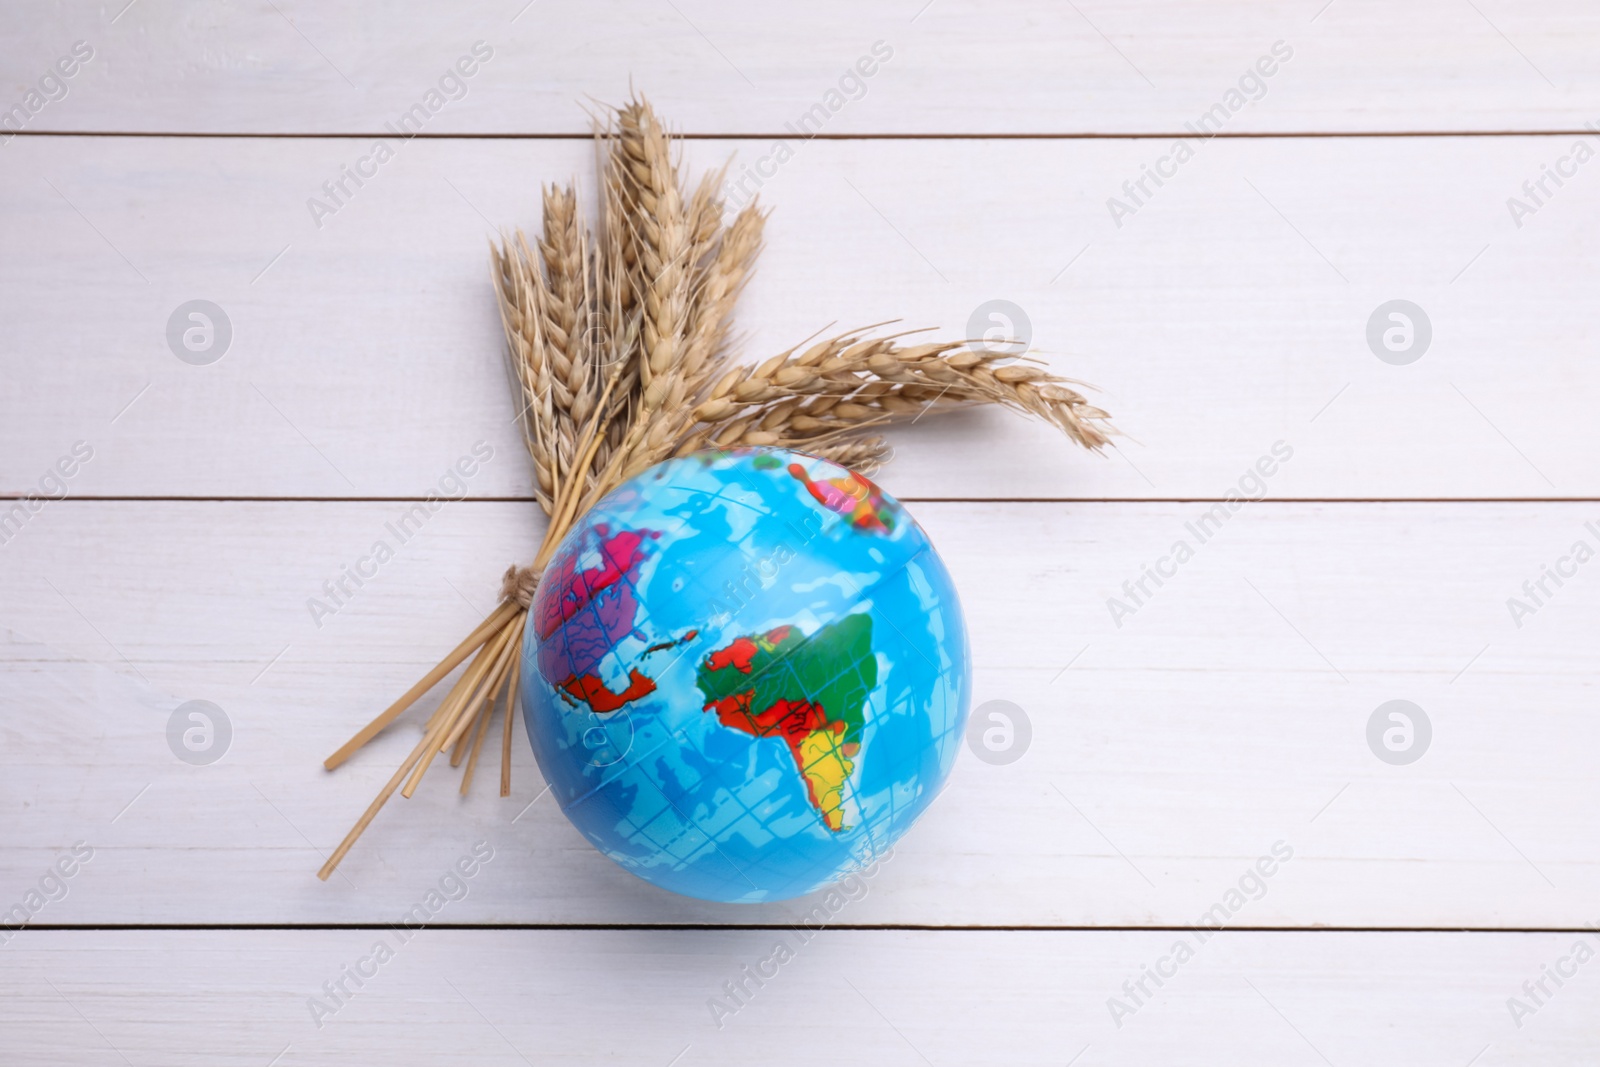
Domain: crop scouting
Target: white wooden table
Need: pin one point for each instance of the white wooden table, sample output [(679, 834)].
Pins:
[(1424, 906)]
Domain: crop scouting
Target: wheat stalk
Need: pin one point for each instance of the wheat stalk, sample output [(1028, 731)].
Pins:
[(566, 301), (515, 272), (661, 231), (621, 344), (851, 381), (711, 320)]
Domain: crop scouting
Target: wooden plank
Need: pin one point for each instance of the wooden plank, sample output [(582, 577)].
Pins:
[(472, 997), (1228, 713), (1230, 312), (954, 66)]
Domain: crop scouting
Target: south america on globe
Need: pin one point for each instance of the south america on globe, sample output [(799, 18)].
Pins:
[(746, 674)]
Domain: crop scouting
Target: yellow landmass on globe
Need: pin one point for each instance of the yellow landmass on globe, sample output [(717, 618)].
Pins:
[(826, 769)]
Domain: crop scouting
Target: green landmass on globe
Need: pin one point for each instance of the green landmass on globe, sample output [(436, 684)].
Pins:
[(809, 691)]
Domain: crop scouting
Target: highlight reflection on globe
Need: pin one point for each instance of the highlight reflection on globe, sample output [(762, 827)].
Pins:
[(745, 673)]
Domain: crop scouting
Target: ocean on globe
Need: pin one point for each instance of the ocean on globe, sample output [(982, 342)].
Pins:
[(745, 674)]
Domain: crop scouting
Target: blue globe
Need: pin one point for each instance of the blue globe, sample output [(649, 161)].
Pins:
[(745, 674)]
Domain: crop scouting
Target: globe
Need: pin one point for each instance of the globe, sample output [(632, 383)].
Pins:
[(745, 674)]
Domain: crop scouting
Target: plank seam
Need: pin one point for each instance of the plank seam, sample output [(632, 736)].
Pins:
[(864, 927), (1265, 135)]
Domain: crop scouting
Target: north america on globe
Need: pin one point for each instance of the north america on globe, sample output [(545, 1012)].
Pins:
[(594, 608)]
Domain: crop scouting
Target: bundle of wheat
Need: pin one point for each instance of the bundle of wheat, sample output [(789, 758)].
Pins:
[(621, 343)]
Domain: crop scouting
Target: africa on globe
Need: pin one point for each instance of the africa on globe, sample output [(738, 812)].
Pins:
[(746, 674)]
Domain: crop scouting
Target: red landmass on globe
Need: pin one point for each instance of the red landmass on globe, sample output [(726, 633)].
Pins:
[(595, 693), (743, 649), (580, 614), (856, 498)]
